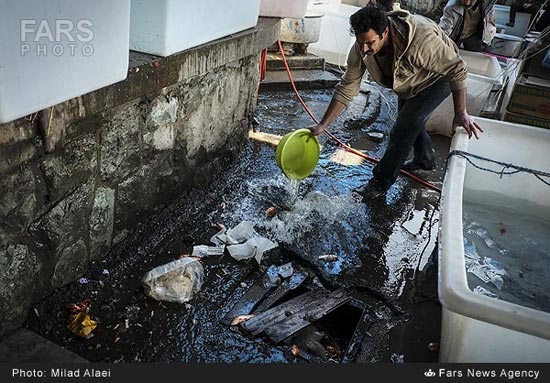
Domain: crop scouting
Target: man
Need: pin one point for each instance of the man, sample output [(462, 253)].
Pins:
[(527, 6), (469, 22), (412, 55)]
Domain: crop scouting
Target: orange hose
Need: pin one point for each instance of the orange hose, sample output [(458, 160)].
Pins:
[(263, 64), (343, 145)]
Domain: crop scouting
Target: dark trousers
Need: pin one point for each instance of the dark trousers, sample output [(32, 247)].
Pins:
[(518, 7), (409, 132), (472, 43)]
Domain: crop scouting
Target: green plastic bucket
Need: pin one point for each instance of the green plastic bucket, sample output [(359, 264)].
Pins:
[(297, 154)]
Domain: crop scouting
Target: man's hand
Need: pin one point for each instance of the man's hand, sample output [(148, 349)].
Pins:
[(464, 120), (316, 129)]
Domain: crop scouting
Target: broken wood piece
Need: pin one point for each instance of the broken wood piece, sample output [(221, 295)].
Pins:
[(288, 284), (280, 312), (309, 314), (250, 299)]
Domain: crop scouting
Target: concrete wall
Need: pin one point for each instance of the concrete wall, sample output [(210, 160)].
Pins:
[(429, 8), (113, 157)]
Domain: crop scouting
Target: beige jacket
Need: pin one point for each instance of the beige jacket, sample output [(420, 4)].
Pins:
[(423, 54)]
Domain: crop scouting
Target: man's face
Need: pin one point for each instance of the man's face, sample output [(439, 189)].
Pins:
[(466, 3), (371, 42)]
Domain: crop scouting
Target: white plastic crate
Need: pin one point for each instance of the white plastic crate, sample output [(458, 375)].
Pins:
[(164, 27), (483, 72), (55, 50)]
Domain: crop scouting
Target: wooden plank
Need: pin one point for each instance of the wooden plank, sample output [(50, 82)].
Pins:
[(289, 284), (247, 302), (258, 323), (310, 313)]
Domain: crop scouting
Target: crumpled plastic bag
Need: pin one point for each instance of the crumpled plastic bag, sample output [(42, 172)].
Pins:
[(176, 281), (82, 325), (243, 242)]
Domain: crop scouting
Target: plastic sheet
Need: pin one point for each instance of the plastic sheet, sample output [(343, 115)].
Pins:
[(176, 281)]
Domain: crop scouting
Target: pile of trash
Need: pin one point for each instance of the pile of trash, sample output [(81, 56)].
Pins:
[(179, 280)]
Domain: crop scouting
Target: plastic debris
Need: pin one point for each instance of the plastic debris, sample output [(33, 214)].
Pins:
[(105, 272), (83, 281), (239, 234), (483, 291), (82, 325), (240, 319), (202, 251), (295, 350), (253, 248), (243, 242), (176, 281), (79, 321), (328, 257), (433, 346), (271, 277), (375, 136), (286, 270)]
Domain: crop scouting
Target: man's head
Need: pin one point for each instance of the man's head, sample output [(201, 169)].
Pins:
[(467, 3), (370, 27)]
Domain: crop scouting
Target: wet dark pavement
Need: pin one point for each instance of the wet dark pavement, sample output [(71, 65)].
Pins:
[(385, 254)]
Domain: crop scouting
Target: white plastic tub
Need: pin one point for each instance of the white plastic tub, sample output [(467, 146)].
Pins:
[(303, 31), (57, 50), (477, 328), (482, 67), (483, 72), (295, 9), (505, 45), (335, 39), (164, 27)]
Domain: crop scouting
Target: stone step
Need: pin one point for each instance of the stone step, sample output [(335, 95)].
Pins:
[(304, 79), (25, 346), (295, 62)]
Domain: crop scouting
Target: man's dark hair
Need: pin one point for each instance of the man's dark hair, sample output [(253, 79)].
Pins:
[(370, 17)]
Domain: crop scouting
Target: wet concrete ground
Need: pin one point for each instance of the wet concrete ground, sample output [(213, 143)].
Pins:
[(385, 254)]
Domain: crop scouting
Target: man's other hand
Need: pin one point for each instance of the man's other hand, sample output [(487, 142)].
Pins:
[(464, 120)]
